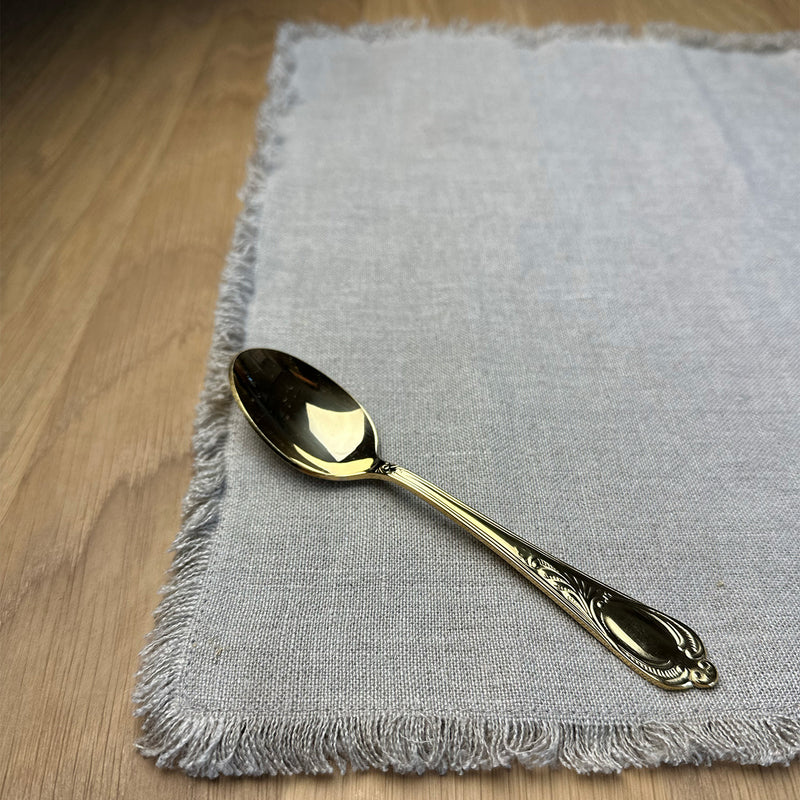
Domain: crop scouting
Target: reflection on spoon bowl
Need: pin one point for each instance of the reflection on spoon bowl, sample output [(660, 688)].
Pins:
[(304, 416)]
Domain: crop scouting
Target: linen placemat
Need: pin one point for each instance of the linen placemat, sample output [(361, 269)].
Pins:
[(559, 268)]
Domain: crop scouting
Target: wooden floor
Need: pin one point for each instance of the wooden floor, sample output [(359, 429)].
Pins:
[(126, 129)]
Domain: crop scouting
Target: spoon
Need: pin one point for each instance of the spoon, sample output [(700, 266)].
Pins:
[(317, 427)]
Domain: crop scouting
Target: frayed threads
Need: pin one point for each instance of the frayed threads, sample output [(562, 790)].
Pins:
[(209, 747), (534, 37)]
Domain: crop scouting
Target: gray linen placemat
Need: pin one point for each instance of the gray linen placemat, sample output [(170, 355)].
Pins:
[(559, 268)]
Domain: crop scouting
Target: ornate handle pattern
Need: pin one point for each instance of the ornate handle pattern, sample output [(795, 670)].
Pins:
[(658, 647)]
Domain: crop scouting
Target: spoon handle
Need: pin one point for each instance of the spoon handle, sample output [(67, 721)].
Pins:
[(658, 647)]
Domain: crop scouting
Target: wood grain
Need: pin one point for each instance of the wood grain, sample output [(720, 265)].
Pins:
[(126, 129)]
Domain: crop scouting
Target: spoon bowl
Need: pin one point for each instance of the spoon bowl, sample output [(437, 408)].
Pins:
[(305, 417)]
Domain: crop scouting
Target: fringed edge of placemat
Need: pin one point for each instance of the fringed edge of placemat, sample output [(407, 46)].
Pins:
[(208, 744)]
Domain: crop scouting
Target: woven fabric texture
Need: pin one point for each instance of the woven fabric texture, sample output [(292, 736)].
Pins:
[(560, 270)]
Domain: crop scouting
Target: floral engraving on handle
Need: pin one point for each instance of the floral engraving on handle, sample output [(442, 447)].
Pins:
[(660, 648)]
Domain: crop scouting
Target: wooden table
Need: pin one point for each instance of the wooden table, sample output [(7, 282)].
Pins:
[(126, 129)]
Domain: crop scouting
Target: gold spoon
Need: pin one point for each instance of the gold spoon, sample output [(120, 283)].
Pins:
[(321, 430)]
